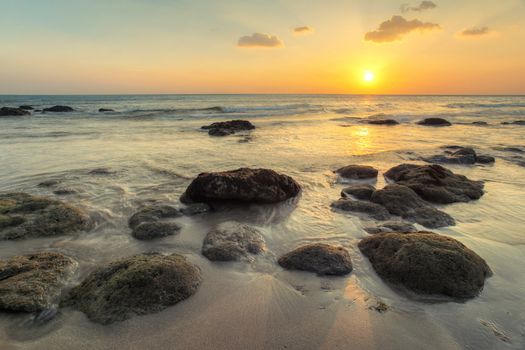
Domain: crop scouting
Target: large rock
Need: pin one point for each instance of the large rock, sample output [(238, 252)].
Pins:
[(32, 283), (59, 109), (323, 259), (357, 172), (434, 122), (358, 191), (435, 183), (12, 112), (24, 216), (228, 128), (403, 201), (231, 241), (241, 185), (426, 263), (136, 285), (374, 210)]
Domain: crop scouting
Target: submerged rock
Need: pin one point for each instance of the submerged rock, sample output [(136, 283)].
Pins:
[(228, 128), (153, 213), (232, 241), (64, 191), (12, 112), (49, 183), (481, 123), (426, 263), (382, 122), (403, 201), (101, 171), (515, 122), (357, 172), (195, 209), (323, 259), (33, 282), (25, 216), (434, 122), (26, 107), (391, 226), (374, 210), (136, 285), (460, 155), (101, 110), (241, 185), (155, 229), (358, 191), (435, 183), (59, 109)]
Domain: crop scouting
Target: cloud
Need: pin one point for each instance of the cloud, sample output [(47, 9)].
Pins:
[(303, 30), (259, 40), (395, 28), (475, 31), (423, 6)]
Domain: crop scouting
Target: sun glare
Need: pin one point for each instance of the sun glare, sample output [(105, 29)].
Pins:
[(368, 76)]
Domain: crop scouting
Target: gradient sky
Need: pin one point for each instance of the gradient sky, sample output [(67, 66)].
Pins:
[(195, 46)]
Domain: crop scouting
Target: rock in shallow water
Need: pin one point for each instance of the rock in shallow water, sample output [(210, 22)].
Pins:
[(434, 122), (241, 185), (13, 112), (232, 241), (382, 122), (323, 259), (136, 285), (460, 155), (362, 192), (59, 109), (228, 128), (391, 226), (33, 282), (435, 183), (403, 201), (426, 263), (357, 172), (24, 216), (374, 210), (153, 213), (155, 229)]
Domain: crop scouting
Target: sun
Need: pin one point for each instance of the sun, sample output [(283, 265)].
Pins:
[(368, 76)]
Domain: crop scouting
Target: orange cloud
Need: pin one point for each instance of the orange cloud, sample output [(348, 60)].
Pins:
[(475, 31), (259, 40), (395, 28), (303, 30), (423, 6)]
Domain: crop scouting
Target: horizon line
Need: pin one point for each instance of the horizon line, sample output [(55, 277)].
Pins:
[(263, 94)]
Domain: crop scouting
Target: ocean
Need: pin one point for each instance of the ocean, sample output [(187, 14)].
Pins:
[(152, 147)]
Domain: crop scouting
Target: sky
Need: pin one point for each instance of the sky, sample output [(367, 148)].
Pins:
[(271, 46)]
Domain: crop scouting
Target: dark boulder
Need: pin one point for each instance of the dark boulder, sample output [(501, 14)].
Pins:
[(460, 155), (59, 109), (357, 172), (358, 191), (232, 241), (136, 285), (426, 263), (435, 183), (220, 132), (228, 128), (32, 283), (323, 259), (102, 110), (241, 185), (403, 201), (382, 122), (434, 122), (13, 112), (391, 226), (374, 210), (26, 216), (153, 213), (155, 229)]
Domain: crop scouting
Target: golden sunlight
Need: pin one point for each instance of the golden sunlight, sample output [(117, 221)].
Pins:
[(368, 76)]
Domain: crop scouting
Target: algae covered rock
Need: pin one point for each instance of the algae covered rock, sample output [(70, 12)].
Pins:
[(323, 259)]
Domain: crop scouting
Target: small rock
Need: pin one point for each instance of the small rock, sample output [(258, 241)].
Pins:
[(153, 213), (515, 122), (48, 183), (26, 107), (33, 282), (482, 123), (359, 191), (155, 229), (374, 210), (64, 191), (391, 226), (101, 171), (357, 172), (231, 241), (323, 259), (58, 109), (136, 285), (382, 122), (228, 128), (101, 110), (434, 122), (427, 263)]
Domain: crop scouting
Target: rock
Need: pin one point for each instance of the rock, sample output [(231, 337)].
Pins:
[(241, 185), (228, 128), (323, 259), (382, 122), (434, 122), (101, 110), (391, 226), (515, 122), (29, 216), (426, 263), (461, 155), (374, 210), (484, 159), (232, 241), (12, 112), (357, 172), (435, 183), (136, 285), (155, 229), (195, 209), (33, 282), (64, 191), (49, 183), (153, 213), (58, 109), (403, 201), (359, 191), (26, 107), (482, 123), (101, 171)]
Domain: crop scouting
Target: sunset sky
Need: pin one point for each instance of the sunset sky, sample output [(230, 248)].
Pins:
[(286, 46)]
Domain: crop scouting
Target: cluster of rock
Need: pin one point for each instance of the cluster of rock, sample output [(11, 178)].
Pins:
[(459, 155), (228, 127), (13, 112), (25, 110)]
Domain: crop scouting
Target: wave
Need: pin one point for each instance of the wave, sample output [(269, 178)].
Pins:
[(485, 105)]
